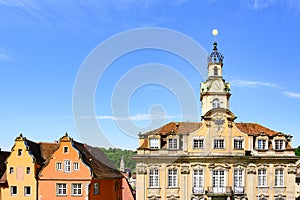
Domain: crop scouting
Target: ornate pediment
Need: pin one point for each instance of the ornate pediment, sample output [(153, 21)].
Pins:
[(219, 166), (141, 168)]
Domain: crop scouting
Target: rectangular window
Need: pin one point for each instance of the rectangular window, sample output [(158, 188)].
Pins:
[(76, 166), (262, 177), (28, 170), (154, 178), (11, 170), (172, 177), (279, 177), (238, 179), (76, 189), (61, 189), (238, 144), (19, 152), (66, 149), (13, 190), (198, 143), (154, 144), (262, 144), (219, 144), (96, 188), (67, 166), (58, 166), (279, 144), (27, 191), (218, 181), (173, 143), (198, 179)]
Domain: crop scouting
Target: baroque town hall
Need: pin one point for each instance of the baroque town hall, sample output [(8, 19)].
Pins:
[(215, 159)]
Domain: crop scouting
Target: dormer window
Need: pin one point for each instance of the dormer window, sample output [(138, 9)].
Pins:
[(173, 143), (279, 144), (216, 103), (261, 144), (215, 71), (154, 143)]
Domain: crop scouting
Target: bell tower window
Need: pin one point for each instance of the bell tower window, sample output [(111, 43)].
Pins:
[(215, 71), (216, 103)]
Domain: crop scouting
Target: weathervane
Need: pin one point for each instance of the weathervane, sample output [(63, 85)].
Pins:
[(215, 32)]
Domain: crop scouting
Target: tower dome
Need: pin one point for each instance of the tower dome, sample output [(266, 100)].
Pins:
[(215, 57)]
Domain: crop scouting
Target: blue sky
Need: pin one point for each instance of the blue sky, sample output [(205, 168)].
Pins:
[(43, 45)]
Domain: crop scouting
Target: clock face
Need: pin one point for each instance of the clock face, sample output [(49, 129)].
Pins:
[(216, 85)]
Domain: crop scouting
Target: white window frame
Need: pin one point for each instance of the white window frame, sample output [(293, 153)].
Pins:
[(219, 143), (96, 188), (75, 166), (238, 143), (12, 190), (25, 191), (198, 178), (11, 170), (153, 177), (279, 177), (58, 166), (154, 143), (67, 166), (218, 180), (262, 144), (28, 170), (76, 189), (279, 144), (173, 143), (216, 103), (172, 177), (198, 143), (238, 180), (61, 189), (262, 177)]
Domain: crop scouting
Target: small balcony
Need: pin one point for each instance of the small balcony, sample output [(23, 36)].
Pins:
[(239, 190), (219, 191), (198, 190)]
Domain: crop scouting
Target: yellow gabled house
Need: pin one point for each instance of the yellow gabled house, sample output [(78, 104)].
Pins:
[(22, 166)]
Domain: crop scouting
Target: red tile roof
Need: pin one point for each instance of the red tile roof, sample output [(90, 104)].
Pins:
[(255, 129)]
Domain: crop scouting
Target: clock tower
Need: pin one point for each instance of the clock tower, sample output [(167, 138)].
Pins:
[(214, 92)]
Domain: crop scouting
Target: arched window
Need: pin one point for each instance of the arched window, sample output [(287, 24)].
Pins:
[(215, 71), (216, 103)]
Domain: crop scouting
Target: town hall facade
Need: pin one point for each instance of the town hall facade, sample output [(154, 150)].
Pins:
[(216, 158)]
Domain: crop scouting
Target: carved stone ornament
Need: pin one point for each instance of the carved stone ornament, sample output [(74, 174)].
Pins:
[(185, 169), (251, 169), (292, 169), (219, 125), (141, 169)]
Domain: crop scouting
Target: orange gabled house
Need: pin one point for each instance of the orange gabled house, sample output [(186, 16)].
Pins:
[(73, 172)]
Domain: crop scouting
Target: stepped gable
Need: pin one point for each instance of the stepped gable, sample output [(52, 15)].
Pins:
[(256, 129), (3, 156), (99, 169), (100, 155)]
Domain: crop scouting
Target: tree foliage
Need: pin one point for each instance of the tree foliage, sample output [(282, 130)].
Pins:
[(115, 155), (297, 151)]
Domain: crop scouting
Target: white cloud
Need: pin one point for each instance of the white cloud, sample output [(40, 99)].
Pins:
[(292, 94), (137, 117), (263, 4), (4, 56), (253, 84)]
